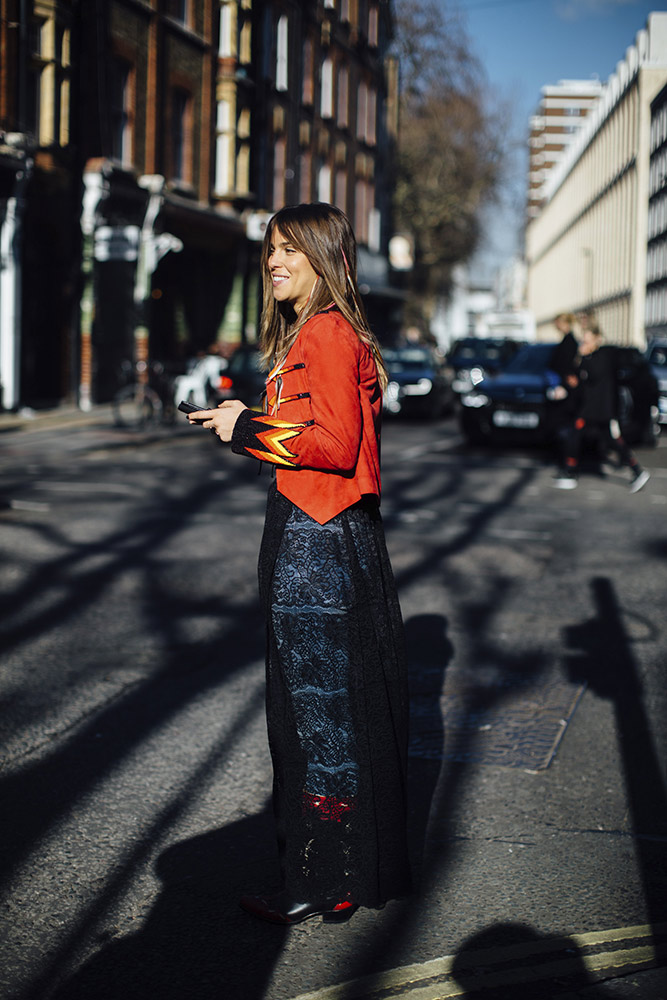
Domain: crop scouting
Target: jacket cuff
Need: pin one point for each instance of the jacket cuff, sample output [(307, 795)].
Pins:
[(266, 438)]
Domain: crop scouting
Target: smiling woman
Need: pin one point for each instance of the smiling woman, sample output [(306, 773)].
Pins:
[(292, 276), (336, 678)]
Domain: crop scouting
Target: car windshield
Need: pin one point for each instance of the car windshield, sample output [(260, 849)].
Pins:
[(531, 360), (407, 359), (658, 355), (243, 361), (476, 352)]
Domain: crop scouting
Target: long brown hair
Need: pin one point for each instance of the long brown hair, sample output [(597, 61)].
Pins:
[(324, 234)]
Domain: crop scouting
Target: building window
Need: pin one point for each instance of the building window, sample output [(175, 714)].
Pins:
[(366, 222), (305, 168), (343, 97), (282, 54), (373, 25), (307, 91), (371, 117), (362, 110), (181, 136), (36, 65), (179, 10), (341, 190), (324, 183), (374, 230), (224, 181), (326, 96), (279, 159), (226, 47), (120, 111), (345, 10)]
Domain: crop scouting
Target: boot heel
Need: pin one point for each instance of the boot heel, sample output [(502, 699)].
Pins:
[(339, 916)]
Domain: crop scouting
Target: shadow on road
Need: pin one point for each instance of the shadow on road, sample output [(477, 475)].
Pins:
[(196, 941), (429, 653), (514, 961), (601, 654)]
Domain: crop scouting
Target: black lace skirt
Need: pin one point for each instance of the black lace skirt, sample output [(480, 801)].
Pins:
[(337, 703)]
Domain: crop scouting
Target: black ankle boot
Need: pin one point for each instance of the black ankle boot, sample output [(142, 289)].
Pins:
[(282, 908)]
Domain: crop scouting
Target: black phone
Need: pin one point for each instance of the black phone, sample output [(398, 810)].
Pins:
[(190, 407)]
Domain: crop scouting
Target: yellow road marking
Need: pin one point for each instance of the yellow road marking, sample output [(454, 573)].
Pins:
[(432, 980)]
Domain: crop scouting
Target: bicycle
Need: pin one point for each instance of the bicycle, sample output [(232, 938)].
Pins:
[(146, 398)]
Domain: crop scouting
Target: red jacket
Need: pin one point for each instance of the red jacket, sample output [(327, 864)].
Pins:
[(322, 428)]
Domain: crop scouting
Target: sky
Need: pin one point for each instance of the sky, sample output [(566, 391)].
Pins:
[(525, 44)]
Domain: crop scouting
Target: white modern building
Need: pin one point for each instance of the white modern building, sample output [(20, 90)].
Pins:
[(562, 111), (586, 249)]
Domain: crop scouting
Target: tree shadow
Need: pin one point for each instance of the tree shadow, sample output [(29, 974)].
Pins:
[(429, 653), (38, 795), (196, 941), (601, 654)]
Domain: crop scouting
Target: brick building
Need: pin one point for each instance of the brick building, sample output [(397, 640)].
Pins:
[(144, 143), (307, 111), (39, 200)]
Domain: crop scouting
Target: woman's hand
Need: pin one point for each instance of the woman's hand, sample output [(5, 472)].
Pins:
[(222, 420)]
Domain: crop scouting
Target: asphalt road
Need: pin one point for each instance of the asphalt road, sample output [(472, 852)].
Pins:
[(136, 779)]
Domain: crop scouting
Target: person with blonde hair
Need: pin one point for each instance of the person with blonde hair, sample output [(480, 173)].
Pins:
[(336, 697)]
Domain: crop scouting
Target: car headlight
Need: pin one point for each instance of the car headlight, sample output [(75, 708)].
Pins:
[(475, 399), (390, 399), (476, 376), (420, 388)]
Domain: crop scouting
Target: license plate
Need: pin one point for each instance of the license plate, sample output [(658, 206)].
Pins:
[(506, 418)]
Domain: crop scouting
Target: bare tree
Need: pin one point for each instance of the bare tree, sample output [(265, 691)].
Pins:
[(451, 142)]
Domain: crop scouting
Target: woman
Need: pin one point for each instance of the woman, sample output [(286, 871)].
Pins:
[(596, 415), (336, 681)]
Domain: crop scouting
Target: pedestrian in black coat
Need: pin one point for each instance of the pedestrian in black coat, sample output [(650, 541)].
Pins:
[(597, 413)]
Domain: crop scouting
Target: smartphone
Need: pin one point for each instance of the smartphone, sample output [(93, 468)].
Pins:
[(190, 407)]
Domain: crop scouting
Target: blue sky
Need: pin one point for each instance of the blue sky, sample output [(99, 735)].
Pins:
[(524, 44)]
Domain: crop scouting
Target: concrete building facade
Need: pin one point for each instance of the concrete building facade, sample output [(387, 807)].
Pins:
[(586, 248), (562, 111), (656, 258)]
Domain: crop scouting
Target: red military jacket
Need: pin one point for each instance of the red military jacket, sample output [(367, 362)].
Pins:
[(322, 428)]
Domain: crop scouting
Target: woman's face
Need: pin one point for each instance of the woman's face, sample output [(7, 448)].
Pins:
[(290, 271)]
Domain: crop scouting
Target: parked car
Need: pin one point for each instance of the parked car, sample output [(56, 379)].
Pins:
[(245, 377), (420, 382), (656, 355), (518, 404), (515, 404), (475, 358), (639, 396)]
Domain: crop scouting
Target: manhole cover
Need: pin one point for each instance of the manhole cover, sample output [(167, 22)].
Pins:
[(503, 722)]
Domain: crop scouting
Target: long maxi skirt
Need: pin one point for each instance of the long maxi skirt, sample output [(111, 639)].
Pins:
[(337, 704)]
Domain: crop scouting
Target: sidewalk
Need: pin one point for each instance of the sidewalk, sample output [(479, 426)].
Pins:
[(60, 416)]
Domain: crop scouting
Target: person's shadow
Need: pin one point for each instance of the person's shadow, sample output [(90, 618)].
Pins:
[(514, 960), (196, 937), (196, 941)]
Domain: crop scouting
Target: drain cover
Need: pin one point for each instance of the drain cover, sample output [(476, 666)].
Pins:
[(504, 722)]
